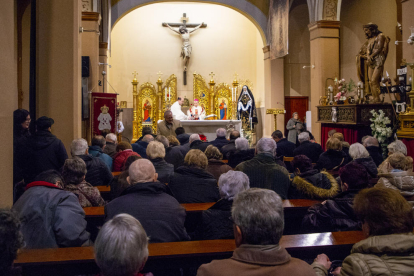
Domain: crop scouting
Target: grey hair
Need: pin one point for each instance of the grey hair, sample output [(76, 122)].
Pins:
[(266, 145), (371, 142), (194, 137), (148, 138), (74, 170), (231, 183), (141, 171), (78, 147), (221, 132), (155, 149), (242, 144), (259, 214), (304, 136), (163, 140), (397, 146), (121, 247), (294, 113), (357, 150), (111, 137)]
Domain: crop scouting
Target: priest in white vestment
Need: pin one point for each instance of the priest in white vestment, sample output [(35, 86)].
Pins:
[(196, 112), (176, 110)]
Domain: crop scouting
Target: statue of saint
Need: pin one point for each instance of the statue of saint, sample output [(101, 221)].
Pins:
[(185, 37), (371, 59), (246, 109)]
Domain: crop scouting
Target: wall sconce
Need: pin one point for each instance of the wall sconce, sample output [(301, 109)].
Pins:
[(312, 66), (410, 39)]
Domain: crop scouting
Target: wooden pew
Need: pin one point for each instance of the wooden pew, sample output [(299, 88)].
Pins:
[(164, 257), (116, 173)]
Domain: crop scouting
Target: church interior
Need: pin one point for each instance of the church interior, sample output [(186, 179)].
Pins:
[(290, 71)]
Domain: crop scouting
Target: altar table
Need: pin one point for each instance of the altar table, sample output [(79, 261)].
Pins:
[(209, 127)]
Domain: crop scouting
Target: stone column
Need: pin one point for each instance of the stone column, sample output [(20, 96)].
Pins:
[(324, 52), (59, 67), (8, 99)]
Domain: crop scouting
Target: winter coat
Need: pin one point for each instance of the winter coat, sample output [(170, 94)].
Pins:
[(174, 156), (293, 133), (215, 222), (96, 151), (183, 138), (385, 167), (368, 164), (313, 185), (377, 256), (219, 142), (376, 154), (228, 149), (400, 181), (51, 217), (165, 129), (97, 173), (46, 152), (263, 172), (309, 149), (88, 195), (333, 215), (140, 147), (217, 168), (110, 149), (198, 144), (257, 260), (120, 159), (118, 184), (164, 170), (159, 213), (238, 156), (194, 185), (285, 148), (332, 160), (20, 151), (345, 148)]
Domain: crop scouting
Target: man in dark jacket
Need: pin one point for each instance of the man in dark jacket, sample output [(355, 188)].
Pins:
[(221, 140), (96, 150), (50, 216), (307, 148), (262, 170), (230, 148), (146, 199), (196, 143), (140, 147), (337, 214), (374, 150), (97, 173), (46, 151), (182, 137), (284, 147), (110, 147), (145, 131)]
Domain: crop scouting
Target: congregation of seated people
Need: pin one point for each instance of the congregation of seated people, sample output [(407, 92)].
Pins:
[(152, 178)]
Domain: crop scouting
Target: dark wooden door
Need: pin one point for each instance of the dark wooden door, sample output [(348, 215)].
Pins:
[(296, 104)]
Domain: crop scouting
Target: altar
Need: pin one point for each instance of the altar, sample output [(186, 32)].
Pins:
[(209, 127)]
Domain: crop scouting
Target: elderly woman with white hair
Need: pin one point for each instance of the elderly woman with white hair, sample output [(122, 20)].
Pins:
[(215, 221), (396, 146), (156, 154), (361, 156), (121, 247), (243, 152)]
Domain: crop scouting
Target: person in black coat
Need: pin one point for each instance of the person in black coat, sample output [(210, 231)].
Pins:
[(221, 140), (308, 148), (146, 199), (97, 173), (196, 143), (360, 155), (284, 147), (231, 146), (140, 147), (374, 150), (46, 151), (156, 154), (215, 221), (337, 214), (334, 158), (182, 137), (191, 183), (21, 134), (242, 153)]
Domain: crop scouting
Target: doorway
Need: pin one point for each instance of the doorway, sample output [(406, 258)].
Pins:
[(296, 104)]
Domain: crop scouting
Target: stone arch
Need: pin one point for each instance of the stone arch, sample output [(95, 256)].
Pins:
[(252, 12)]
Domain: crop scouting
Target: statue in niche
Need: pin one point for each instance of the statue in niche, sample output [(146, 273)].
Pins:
[(371, 58)]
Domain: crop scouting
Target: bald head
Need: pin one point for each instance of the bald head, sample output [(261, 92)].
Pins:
[(141, 171), (148, 138), (371, 142)]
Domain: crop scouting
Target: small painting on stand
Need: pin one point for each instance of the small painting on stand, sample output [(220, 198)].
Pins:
[(147, 111), (223, 107)]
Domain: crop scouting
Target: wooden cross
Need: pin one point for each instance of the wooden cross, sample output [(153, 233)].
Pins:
[(159, 74), (212, 75)]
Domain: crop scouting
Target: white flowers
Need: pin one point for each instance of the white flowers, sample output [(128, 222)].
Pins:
[(379, 126)]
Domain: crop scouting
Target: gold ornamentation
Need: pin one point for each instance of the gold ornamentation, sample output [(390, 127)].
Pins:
[(275, 112), (223, 92), (170, 83), (147, 90), (201, 92)]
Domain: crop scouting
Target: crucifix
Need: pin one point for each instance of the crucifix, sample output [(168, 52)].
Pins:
[(185, 37)]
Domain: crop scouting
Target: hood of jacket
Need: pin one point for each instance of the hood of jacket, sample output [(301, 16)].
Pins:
[(197, 172), (307, 188), (146, 188), (401, 181), (183, 138), (395, 244), (42, 139)]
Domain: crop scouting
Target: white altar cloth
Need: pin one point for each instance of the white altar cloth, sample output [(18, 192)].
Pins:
[(209, 127)]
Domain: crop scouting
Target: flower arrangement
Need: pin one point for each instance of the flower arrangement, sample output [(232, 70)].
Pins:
[(343, 88), (379, 128)]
